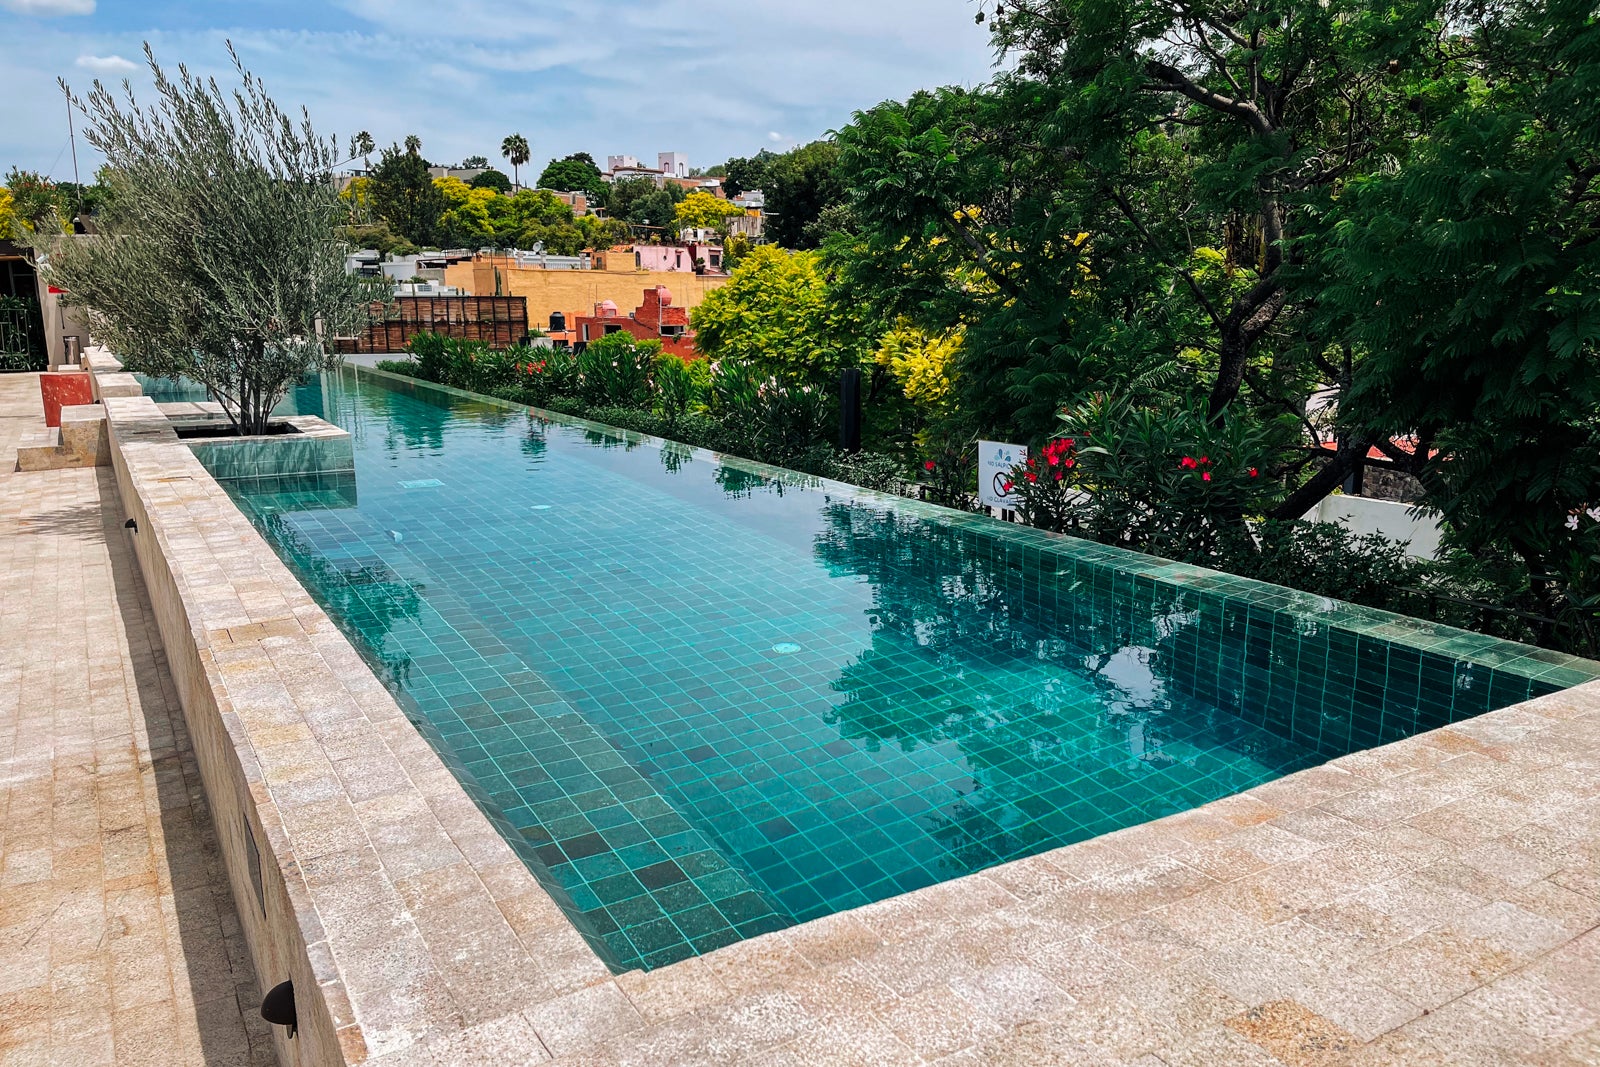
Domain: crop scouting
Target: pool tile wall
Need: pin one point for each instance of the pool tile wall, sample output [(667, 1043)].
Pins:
[(1330, 675)]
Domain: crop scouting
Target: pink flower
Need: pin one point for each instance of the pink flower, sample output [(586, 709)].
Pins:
[(1206, 477), (1188, 463), (1254, 472), (928, 466), (1032, 477), (1007, 487), (1206, 460), (1058, 476), (1071, 462)]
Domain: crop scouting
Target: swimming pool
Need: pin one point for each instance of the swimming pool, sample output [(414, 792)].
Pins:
[(705, 699)]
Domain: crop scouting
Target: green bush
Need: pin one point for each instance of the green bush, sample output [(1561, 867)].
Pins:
[(615, 370), (678, 387), (1326, 558)]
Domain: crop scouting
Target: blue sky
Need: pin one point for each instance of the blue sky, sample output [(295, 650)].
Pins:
[(712, 78)]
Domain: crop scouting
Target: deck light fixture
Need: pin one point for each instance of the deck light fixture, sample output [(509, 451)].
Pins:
[(277, 1007)]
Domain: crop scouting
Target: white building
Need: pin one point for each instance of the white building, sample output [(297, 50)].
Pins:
[(673, 164), (616, 163)]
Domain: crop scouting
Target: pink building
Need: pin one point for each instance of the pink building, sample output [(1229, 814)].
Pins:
[(684, 257)]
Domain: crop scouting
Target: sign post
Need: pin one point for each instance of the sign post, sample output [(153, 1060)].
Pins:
[(995, 462)]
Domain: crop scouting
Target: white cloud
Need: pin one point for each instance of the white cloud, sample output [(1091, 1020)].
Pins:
[(48, 8), (106, 64), (774, 135), (600, 76)]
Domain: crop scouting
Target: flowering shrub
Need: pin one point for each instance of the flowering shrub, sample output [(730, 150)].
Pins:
[(1048, 486), (1172, 482), (951, 472)]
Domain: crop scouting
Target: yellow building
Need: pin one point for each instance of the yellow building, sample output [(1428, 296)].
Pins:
[(574, 292)]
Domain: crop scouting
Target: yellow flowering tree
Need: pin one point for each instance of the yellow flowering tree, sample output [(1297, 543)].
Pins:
[(923, 365), (702, 211)]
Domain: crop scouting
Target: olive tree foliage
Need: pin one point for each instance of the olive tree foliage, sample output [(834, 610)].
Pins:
[(217, 257)]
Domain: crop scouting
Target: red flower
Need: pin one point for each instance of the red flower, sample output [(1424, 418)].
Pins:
[(1032, 477), (1206, 477), (1053, 457), (1033, 463), (1007, 487), (1188, 463), (1058, 476), (1254, 472), (928, 466), (1071, 462), (1206, 460)]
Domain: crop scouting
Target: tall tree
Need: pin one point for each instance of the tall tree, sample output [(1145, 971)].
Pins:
[(1468, 282), (403, 194), (363, 145), (575, 173), (800, 185), (515, 149), (216, 257), (742, 174)]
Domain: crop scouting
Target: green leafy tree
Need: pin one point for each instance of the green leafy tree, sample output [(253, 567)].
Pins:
[(515, 149), (575, 173), (36, 202), (638, 201), (800, 186), (1468, 282), (472, 215), (775, 317), (216, 257), (740, 175), (491, 179), (475, 163), (403, 195)]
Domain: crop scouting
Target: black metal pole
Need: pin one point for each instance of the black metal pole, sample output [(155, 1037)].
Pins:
[(850, 409)]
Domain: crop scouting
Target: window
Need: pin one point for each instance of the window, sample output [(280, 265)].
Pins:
[(612, 327)]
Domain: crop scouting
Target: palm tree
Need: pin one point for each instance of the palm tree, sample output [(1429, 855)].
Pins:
[(362, 145), (413, 144), (515, 148)]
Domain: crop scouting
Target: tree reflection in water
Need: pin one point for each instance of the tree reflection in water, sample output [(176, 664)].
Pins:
[(1068, 721)]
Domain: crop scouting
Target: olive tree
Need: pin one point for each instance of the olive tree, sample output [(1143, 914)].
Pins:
[(217, 257)]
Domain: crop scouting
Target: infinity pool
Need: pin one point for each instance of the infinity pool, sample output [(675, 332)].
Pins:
[(705, 699)]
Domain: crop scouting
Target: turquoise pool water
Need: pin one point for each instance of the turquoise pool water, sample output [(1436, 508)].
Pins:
[(704, 700)]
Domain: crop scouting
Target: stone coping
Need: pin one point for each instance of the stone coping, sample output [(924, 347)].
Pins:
[(1400, 905)]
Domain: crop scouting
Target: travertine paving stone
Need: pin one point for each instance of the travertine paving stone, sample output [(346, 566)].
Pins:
[(119, 943)]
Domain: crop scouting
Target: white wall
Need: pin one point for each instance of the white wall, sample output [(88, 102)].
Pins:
[(1364, 515)]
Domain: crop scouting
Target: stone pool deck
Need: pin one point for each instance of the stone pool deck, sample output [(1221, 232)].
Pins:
[(118, 937), (1435, 901)]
